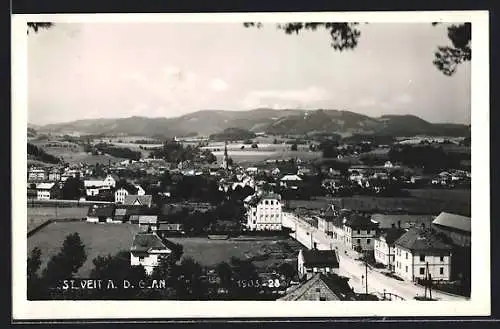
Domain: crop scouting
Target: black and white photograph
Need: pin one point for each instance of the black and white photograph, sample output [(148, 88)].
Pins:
[(204, 158)]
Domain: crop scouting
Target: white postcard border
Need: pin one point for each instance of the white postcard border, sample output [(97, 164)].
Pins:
[(480, 301)]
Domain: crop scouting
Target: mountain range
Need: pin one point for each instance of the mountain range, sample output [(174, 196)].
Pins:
[(279, 122)]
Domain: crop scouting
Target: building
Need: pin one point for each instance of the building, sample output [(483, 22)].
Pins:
[(94, 187), (419, 252), (310, 262), (455, 227), (264, 212), (327, 219), (290, 181), (54, 175), (321, 287), (165, 229), (37, 175), (120, 215), (359, 232), (384, 250), (110, 181), (101, 214), (122, 192), (148, 222), (47, 191), (138, 200), (147, 250)]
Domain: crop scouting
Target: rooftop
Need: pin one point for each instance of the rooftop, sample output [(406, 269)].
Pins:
[(146, 242), (138, 200), (338, 288), (320, 258), (457, 222), (417, 239)]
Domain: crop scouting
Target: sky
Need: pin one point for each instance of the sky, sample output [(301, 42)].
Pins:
[(113, 70)]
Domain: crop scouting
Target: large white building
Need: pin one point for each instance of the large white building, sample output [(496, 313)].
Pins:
[(420, 252), (147, 250), (264, 212)]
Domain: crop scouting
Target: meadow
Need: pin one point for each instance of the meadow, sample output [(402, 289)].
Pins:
[(211, 252), (39, 215), (99, 240)]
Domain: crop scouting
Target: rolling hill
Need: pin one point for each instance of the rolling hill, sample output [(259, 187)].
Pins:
[(278, 122)]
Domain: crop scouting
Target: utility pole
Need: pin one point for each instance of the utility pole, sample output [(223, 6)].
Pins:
[(366, 275)]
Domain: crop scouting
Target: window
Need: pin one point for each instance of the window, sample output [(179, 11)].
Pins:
[(368, 231), (422, 258), (406, 269), (359, 232), (422, 271), (368, 241), (322, 298), (441, 258), (266, 202), (441, 270), (359, 241), (318, 289), (141, 258), (406, 255)]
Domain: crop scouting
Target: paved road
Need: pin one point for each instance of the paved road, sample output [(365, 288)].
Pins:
[(355, 270)]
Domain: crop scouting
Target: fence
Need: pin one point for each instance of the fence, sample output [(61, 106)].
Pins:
[(391, 297), (63, 203)]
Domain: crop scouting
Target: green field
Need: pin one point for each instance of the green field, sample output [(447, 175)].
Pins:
[(211, 252), (76, 155), (39, 215), (99, 240), (425, 201)]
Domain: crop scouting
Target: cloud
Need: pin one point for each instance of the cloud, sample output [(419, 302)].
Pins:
[(218, 85), (286, 98)]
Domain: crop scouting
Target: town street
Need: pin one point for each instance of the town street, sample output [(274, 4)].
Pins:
[(354, 269)]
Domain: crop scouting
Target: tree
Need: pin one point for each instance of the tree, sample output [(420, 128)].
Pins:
[(67, 262), (34, 287), (191, 285), (72, 189), (225, 274), (345, 36)]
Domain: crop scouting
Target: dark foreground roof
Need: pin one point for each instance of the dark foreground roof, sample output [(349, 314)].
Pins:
[(337, 286), (320, 258)]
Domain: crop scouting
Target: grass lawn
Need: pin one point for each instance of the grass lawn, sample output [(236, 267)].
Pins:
[(38, 215), (427, 201), (99, 240), (211, 252)]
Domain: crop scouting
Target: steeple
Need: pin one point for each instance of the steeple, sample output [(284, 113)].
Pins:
[(225, 162)]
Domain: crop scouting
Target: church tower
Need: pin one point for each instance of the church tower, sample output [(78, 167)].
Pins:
[(225, 161)]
